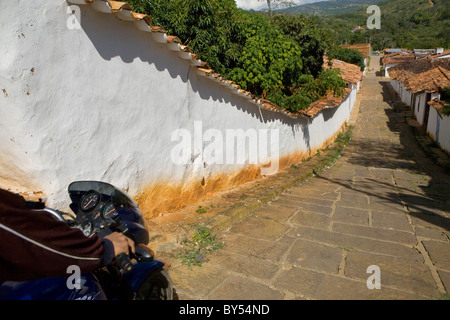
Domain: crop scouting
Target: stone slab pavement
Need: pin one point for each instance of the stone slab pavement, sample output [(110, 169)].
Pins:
[(382, 210)]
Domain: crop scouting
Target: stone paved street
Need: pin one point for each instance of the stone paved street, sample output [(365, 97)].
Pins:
[(383, 203)]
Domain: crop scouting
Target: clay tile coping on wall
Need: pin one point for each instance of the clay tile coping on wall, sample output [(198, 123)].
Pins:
[(116, 6), (438, 104), (143, 22)]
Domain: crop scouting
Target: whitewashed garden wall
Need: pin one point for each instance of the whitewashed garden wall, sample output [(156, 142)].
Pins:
[(97, 98)]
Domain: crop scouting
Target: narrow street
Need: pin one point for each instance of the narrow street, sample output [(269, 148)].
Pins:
[(383, 206)]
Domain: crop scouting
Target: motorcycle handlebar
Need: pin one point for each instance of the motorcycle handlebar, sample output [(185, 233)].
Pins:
[(124, 262)]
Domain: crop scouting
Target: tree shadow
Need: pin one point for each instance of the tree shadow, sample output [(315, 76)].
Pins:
[(429, 209), (426, 200), (114, 39)]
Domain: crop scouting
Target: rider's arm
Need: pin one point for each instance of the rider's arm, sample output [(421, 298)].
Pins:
[(33, 244)]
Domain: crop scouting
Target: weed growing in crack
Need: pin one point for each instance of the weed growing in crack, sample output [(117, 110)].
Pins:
[(336, 150), (195, 249)]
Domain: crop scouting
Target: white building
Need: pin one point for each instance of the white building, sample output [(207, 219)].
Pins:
[(392, 59), (438, 126), (419, 85)]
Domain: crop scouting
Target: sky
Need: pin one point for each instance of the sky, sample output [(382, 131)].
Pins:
[(262, 4)]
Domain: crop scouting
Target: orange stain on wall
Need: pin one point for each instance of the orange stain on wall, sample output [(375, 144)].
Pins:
[(164, 197)]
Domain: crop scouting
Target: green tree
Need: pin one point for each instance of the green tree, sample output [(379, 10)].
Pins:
[(250, 50), (347, 55), (405, 23), (268, 59), (210, 28), (310, 89), (310, 38)]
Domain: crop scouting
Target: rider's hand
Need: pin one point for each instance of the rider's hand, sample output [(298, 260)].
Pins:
[(121, 243)]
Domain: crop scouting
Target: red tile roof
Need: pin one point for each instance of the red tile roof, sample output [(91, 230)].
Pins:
[(329, 102), (363, 48), (397, 58), (422, 65), (430, 75), (432, 80), (143, 22), (351, 73), (438, 104)]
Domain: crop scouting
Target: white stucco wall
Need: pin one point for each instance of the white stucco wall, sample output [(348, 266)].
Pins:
[(419, 107), (433, 124), (438, 129), (405, 95), (386, 69), (395, 85), (444, 133), (102, 102)]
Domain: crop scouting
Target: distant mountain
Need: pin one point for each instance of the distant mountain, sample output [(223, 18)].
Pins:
[(330, 7), (404, 24)]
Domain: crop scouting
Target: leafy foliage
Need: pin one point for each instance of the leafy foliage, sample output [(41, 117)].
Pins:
[(196, 249), (210, 28), (279, 59), (310, 89), (347, 55), (445, 96), (311, 39), (404, 24), (268, 59)]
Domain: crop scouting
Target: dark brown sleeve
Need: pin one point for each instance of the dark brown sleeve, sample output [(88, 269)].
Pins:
[(33, 244)]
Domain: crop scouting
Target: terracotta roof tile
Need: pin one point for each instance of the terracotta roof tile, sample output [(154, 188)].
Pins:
[(430, 75), (438, 104), (421, 65), (363, 48), (117, 6), (349, 72), (432, 80), (143, 22), (173, 39), (329, 102), (398, 58)]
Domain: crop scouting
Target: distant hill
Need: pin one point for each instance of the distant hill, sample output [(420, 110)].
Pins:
[(329, 8), (404, 24)]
